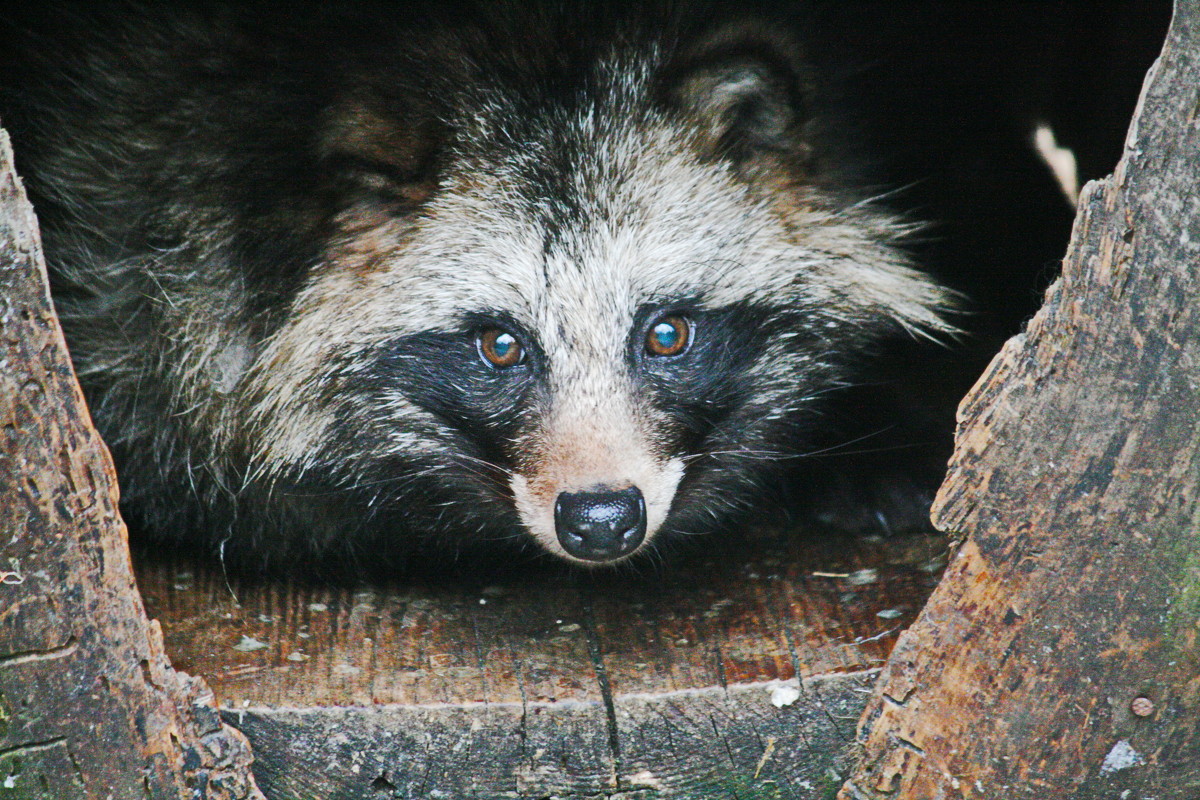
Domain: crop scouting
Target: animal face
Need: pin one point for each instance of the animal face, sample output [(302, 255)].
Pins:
[(393, 280), (601, 308)]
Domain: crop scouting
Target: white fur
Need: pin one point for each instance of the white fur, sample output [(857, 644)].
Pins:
[(660, 223)]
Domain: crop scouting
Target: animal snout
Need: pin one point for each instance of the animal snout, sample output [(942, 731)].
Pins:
[(600, 524)]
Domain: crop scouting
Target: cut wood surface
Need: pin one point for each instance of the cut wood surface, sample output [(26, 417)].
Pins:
[(1059, 656), (89, 707), (682, 684)]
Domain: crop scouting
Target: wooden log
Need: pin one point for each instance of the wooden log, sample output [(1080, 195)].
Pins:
[(739, 673), (1059, 657), (89, 706)]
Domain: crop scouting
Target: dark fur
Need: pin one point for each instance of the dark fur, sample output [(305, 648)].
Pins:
[(173, 153)]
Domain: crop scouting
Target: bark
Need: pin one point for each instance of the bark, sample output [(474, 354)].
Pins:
[(1058, 657), (89, 706)]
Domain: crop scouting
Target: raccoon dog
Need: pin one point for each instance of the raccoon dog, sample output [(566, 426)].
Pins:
[(361, 279)]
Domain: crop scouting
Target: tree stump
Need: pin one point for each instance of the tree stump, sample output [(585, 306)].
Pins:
[(1058, 657), (738, 674)]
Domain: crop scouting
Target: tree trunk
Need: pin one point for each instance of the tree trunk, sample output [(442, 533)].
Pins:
[(1058, 657), (89, 706)]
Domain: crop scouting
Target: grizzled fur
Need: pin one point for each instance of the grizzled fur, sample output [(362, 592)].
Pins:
[(275, 240)]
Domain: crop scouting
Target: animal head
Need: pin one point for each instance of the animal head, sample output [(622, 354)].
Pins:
[(549, 272), (589, 296)]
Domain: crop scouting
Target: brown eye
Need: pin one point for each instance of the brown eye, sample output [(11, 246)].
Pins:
[(500, 348), (668, 337)]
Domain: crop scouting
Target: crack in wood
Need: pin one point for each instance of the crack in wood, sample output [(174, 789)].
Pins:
[(712, 721), (610, 709), (148, 675), (429, 765), (523, 729), (794, 657), (34, 656), (33, 747), (813, 691)]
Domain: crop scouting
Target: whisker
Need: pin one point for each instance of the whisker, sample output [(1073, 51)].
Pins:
[(780, 455)]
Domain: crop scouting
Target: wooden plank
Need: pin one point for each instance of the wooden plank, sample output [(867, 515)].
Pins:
[(553, 683), (89, 706), (1059, 657)]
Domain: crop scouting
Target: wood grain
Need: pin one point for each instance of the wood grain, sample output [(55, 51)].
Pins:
[(89, 706), (556, 684), (1076, 477)]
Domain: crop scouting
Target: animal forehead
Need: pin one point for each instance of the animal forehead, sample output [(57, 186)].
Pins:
[(624, 209), (655, 238), (575, 212), (563, 150)]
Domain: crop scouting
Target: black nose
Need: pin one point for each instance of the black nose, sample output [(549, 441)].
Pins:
[(601, 524)]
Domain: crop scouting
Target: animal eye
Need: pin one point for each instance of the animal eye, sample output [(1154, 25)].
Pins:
[(668, 337), (500, 348)]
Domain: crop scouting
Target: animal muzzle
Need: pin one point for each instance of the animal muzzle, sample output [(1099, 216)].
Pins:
[(600, 524), (602, 516)]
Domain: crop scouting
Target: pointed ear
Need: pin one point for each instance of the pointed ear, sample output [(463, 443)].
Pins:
[(747, 88), (384, 147)]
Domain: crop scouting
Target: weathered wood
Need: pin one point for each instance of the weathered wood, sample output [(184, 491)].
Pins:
[(89, 706), (553, 684), (1059, 657)]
